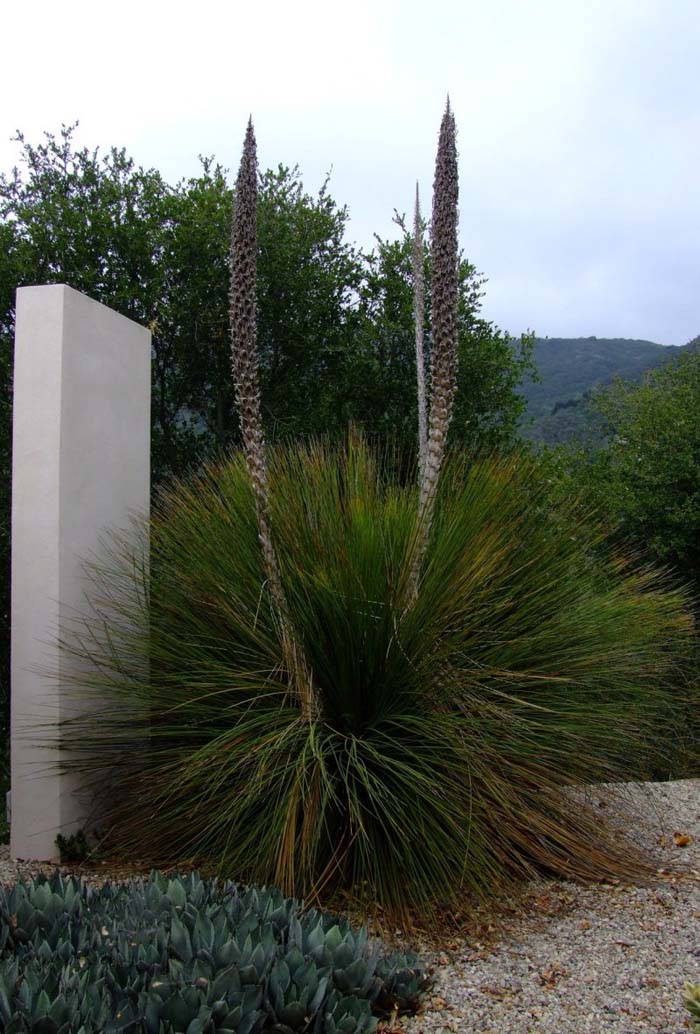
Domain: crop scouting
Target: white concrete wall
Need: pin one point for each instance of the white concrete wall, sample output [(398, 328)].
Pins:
[(80, 465)]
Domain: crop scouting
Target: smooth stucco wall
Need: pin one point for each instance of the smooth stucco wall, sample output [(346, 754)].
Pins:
[(80, 465)]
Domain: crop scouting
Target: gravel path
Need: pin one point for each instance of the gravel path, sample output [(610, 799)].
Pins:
[(565, 957), (575, 959)]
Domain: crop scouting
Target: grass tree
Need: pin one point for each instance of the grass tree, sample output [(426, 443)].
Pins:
[(441, 748)]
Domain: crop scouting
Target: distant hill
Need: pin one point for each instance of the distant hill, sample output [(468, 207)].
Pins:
[(570, 368)]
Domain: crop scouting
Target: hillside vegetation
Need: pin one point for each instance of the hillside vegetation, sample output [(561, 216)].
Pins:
[(569, 368)]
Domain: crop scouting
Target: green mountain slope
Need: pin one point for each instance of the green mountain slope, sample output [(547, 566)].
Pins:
[(569, 369)]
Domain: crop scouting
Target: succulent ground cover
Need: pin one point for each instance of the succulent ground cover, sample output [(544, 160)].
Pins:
[(163, 955)]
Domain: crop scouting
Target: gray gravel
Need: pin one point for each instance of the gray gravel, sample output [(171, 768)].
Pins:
[(11, 871), (568, 958), (573, 959)]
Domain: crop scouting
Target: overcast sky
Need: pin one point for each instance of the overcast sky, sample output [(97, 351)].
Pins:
[(578, 123)]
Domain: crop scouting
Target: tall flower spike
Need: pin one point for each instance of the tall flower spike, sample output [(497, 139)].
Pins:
[(444, 311), (244, 362), (419, 316)]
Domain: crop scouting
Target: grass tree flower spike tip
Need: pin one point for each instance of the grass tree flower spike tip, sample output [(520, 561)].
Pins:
[(444, 311)]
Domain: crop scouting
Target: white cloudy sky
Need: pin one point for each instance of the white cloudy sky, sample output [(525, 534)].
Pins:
[(578, 121)]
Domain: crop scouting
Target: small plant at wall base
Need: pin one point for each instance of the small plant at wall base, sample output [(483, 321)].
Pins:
[(80, 847), (352, 683)]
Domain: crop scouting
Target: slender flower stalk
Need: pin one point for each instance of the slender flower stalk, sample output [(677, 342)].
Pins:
[(244, 361), (444, 312), (243, 301), (419, 317)]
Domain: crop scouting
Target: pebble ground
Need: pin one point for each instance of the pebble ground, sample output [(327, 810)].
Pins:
[(576, 959), (567, 958)]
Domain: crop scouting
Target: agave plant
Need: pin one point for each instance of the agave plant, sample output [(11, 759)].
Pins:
[(169, 956)]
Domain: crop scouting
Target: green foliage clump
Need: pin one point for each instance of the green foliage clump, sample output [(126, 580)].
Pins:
[(691, 997), (188, 955), (650, 473), (453, 724), (646, 480), (78, 846)]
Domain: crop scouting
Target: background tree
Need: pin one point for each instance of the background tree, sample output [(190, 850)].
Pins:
[(644, 481), (488, 408), (647, 479), (335, 330), (308, 281), (307, 277)]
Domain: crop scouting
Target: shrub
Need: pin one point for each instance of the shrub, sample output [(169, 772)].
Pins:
[(77, 848), (452, 723), (691, 997), (185, 954)]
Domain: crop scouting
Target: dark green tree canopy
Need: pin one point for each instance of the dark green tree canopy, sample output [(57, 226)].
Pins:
[(646, 475), (335, 324), (652, 465), (488, 408)]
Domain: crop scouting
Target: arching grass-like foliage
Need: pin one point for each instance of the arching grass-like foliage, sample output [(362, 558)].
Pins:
[(451, 722)]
